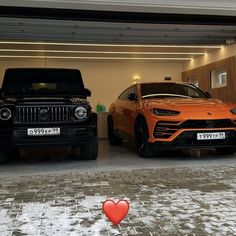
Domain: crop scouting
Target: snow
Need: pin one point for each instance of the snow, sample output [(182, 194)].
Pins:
[(48, 219)]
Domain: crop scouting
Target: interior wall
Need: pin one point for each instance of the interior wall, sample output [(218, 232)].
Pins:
[(216, 55), (203, 75), (106, 79)]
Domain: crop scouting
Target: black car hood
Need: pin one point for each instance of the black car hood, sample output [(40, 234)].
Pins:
[(43, 100)]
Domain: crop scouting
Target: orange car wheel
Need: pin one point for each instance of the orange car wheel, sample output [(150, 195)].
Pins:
[(141, 138)]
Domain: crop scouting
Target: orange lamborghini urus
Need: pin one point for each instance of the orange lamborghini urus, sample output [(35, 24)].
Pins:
[(168, 115)]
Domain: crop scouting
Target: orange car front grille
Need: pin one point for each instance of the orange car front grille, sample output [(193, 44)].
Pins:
[(165, 129)]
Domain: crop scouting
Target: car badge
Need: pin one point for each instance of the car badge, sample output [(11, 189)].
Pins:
[(209, 113)]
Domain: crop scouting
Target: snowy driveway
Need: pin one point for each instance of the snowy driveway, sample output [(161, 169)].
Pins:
[(194, 196)]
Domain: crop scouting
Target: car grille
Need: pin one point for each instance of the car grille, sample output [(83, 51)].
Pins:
[(38, 114), (164, 129), (223, 123)]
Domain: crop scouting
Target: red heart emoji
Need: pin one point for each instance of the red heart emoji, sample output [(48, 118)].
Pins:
[(115, 212)]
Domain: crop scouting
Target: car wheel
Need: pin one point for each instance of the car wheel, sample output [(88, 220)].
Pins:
[(4, 156), (90, 150), (226, 151), (141, 138), (112, 138)]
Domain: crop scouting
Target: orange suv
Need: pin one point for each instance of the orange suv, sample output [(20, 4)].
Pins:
[(168, 115)]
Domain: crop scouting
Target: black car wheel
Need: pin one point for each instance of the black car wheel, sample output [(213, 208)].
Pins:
[(90, 150), (226, 151), (4, 156), (112, 138), (141, 138)]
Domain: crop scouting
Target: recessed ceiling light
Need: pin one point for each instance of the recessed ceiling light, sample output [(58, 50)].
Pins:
[(110, 45), (100, 52), (97, 58)]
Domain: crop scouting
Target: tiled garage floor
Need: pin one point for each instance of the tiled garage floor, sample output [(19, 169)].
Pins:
[(187, 200)]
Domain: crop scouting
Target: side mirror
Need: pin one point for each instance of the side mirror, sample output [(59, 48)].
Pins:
[(208, 94), (132, 96), (87, 92)]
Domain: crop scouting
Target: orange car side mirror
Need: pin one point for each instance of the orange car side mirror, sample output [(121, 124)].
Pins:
[(208, 94), (132, 97)]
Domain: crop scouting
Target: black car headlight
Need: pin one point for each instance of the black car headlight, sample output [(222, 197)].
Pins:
[(233, 111), (80, 113), (5, 113), (164, 112)]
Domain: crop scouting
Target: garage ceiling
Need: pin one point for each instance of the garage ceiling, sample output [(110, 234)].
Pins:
[(105, 35)]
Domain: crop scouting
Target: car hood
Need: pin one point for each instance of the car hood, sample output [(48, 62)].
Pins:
[(43, 100), (190, 104)]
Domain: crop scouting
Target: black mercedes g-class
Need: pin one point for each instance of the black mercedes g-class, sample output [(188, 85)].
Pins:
[(45, 107)]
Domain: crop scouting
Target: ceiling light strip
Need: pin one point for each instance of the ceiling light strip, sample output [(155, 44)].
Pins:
[(101, 52), (97, 58), (110, 45)]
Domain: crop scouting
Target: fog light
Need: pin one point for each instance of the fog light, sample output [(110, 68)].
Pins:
[(5, 114)]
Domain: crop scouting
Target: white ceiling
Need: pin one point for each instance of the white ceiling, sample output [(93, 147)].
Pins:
[(103, 40), (211, 7)]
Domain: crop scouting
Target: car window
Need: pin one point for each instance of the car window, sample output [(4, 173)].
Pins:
[(43, 82), (124, 95), (170, 90)]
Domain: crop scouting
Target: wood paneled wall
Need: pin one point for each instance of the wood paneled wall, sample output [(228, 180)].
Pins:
[(203, 75)]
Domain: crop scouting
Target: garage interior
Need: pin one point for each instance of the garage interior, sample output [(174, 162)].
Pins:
[(115, 44)]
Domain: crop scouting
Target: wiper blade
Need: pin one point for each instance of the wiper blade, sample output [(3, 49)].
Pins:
[(165, 95)]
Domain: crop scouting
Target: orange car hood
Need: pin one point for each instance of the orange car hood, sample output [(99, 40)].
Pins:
[(194, 104)]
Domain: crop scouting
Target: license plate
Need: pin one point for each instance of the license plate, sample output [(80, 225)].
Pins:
[(43, 131), (210, 136)]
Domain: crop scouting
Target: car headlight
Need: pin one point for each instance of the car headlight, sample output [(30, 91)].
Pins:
[(5, 113), (233, 111), (164, 112), (80, 113)]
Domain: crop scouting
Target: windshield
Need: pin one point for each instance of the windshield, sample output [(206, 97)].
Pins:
[(173, 90), (43, 82)]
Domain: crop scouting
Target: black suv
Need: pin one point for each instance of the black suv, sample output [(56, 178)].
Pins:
[(45, 107)]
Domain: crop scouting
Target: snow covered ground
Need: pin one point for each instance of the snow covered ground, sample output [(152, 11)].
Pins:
[(174, 201)]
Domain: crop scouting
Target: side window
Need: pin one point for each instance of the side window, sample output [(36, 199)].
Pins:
[(126, 93), (133, 90)]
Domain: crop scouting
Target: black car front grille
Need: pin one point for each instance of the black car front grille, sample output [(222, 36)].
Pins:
[(222, 123), (38, 114), (164, 129)]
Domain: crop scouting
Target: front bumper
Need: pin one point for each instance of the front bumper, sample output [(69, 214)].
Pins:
[(188, 139), (70, 135)]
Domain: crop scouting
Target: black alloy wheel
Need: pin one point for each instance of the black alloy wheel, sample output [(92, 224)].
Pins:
[(141, 138)]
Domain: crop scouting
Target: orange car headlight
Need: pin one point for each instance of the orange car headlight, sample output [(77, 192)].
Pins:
[(233, 111), (164, 112)]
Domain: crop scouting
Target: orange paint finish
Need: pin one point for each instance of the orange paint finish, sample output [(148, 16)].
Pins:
[(193, 112)]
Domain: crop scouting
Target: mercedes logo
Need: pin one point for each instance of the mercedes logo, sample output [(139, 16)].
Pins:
[(43, 115)]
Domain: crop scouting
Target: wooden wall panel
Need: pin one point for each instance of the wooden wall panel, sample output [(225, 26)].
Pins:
[(203, 74)]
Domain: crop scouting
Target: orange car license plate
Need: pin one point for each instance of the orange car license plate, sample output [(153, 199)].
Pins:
[(210, 136)]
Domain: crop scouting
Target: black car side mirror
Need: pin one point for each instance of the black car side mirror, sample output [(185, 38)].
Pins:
[(208, 94), (87, 92), (132, 96)]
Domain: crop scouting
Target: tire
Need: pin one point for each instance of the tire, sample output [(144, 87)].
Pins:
[(226, 151), (90, 150), (141, 138), (112, 138), (4, 156)]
